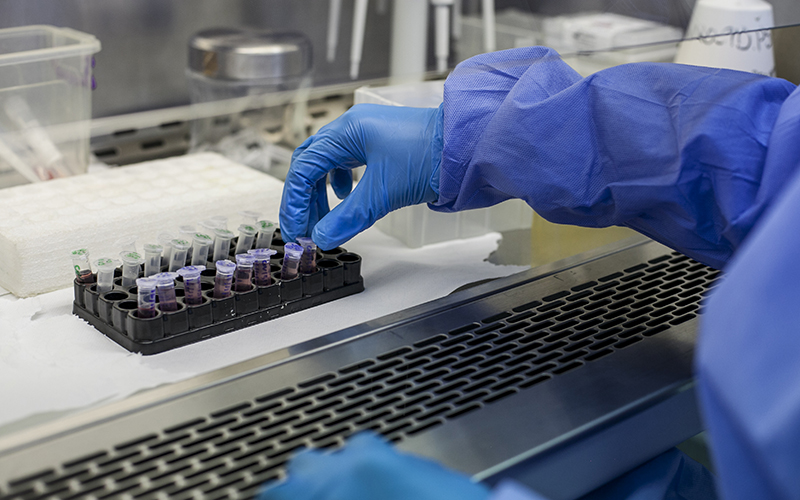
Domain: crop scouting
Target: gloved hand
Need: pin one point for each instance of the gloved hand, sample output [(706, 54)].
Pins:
[(367, 468), (402, 149)]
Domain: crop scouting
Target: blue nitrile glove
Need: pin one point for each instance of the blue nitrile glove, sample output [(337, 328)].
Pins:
[(367, 468), (402, 148)]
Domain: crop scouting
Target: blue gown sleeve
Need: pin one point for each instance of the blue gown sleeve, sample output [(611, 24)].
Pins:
[(747, 357), (674, 152)]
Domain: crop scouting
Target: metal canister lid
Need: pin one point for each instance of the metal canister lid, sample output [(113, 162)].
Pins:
[(234, 54)]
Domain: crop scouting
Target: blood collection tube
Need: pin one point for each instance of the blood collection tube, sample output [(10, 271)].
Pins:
[(247, 234), (266, 230), (222, 244), (178, 258), (81, 265), (165, 240), (131, 262), (244, 272), (208, 226), (152, 259), (308, 262), (105, 274), (192, 291), (202, 243), (165, 288), (292, 252), (223, 279), (261, 265), (146, 292)]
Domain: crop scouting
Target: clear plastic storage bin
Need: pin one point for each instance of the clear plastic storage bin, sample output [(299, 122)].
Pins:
[(513, 28), (45, 81), (418, 225), (590, 34)]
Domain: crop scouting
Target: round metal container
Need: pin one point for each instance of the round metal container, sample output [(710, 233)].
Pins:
[(240, 55)]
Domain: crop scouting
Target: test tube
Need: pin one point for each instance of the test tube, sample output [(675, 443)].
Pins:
[(249, 217), (266, 230), (165, 287), (222, 243), (308, 262), (105, 274), (192, 292), (261, 265), (244, 272), (209, 225), (223, 279), (202, 243), (146, 291), (164, 239), (130, 267), (80, 263), (152, 259), (220, 221), (247, 234), (186, 232), (126, 243), (178, 258), (292, 252)]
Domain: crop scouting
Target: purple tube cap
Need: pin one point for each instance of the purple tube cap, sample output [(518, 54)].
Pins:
[(165, 278), (191, 271), (225, 266), (262, 253), (146, 283), (293, 249), (245, 259)]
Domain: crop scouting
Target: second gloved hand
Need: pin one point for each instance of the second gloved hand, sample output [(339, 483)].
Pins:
[(368, 468), (402, 149)]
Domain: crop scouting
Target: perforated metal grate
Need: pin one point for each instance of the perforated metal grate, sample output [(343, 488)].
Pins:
[(400, 393)]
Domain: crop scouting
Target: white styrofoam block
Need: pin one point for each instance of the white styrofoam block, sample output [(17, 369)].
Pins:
[(40, 224), (418, 225)]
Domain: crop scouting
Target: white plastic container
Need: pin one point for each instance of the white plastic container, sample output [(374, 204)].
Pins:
[(418, 225), (722, 34), (597, 32), (50, 70)]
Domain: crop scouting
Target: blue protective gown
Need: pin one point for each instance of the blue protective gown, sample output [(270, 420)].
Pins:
[(703, 160)]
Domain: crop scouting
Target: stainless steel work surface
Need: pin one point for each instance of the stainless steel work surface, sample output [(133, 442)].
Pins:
[(561, 377)]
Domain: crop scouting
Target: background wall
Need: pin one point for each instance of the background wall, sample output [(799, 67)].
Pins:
[(141, 65), (143, 59)]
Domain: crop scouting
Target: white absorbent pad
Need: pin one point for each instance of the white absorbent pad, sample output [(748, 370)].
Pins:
[(40, 224)]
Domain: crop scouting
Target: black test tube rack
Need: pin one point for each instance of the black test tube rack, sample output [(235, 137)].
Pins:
[(115, 312)]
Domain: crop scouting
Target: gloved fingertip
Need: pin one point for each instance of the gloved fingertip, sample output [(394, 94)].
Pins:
[(288, 225), (288, 235), (320, 237)]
